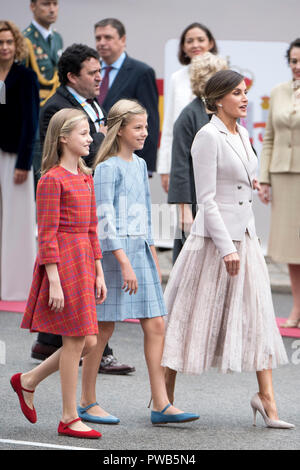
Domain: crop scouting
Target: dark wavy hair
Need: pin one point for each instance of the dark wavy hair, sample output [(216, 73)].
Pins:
[(295, 43), (71, 60), (183, 59)]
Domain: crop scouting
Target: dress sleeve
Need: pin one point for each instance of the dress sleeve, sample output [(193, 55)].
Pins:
[(105, 183), (93, 224), (48, 216)]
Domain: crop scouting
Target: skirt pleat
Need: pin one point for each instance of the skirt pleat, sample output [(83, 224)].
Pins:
[(215, 320)]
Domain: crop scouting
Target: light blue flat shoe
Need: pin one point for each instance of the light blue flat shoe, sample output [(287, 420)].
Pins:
[(82, 413), (158, 417)]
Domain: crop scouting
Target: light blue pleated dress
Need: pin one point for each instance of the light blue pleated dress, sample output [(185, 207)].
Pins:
[(124, 221)]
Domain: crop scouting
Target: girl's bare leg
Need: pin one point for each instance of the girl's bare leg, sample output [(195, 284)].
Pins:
[(90, 368), (154, 333), (170, 377), (66, 359)]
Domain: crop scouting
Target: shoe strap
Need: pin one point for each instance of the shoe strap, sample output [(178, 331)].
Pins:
[(166, 407), (89, 406), (26, 390), (66, 425)]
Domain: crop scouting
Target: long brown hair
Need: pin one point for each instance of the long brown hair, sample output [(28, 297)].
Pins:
[(61, 124), (119, 116)]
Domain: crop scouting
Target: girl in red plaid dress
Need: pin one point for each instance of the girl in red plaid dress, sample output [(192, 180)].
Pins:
[(68, 269)]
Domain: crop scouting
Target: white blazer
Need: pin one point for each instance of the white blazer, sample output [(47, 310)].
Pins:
[(180, 95), (223, 180)]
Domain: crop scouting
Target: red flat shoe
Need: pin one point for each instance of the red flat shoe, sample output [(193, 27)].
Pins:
[(63, 429), (29, 413)]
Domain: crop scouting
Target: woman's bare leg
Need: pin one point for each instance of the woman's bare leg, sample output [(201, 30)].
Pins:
[(266, 393), (294, 271)]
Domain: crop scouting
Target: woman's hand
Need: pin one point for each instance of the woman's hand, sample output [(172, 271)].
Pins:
[(264, 193), (130, 283), (256, 185), (101, 289), (186, 220), (20, 176), (165, 179), (232, 263), (56, 296)]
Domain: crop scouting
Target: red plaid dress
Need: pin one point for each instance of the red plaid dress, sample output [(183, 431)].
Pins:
[(67, 223)]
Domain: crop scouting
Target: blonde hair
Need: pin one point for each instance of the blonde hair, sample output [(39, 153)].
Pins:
[(61, 124), (119, 116), (202, 68), (20, 42)]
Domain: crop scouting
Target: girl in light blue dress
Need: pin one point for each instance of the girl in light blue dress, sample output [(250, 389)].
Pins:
[(129, 262)]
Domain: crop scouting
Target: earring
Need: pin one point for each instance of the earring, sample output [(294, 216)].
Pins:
[(220, 105)]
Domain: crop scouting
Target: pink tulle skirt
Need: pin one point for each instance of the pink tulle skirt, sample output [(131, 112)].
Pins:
[(215, 320)]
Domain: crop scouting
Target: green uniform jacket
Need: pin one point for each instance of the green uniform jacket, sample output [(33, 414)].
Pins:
[(43, 59)]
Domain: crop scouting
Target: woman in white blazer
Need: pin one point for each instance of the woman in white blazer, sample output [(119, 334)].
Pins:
[(220, 311), (196, 39)]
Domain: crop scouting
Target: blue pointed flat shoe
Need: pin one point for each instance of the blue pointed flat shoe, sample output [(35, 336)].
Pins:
[(82, 413), (158, 417)]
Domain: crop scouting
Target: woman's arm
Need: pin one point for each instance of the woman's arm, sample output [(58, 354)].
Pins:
[(205, 162)]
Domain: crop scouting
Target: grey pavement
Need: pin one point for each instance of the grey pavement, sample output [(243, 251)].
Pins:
[(221, 400)]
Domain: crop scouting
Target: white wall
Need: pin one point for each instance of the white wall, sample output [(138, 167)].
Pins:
[(150, 23)]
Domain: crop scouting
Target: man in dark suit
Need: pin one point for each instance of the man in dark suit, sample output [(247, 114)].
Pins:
[(125, 77), (80, 77)]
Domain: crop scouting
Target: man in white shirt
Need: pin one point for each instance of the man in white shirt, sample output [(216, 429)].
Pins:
[(125, 77)]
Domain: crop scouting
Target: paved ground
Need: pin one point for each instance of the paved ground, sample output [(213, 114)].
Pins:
[(221, 400)]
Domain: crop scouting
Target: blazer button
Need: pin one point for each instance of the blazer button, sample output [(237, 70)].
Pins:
[(241, 203), (239, 187)]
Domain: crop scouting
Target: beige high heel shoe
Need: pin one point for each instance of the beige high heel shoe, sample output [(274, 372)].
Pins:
[(257, 405)]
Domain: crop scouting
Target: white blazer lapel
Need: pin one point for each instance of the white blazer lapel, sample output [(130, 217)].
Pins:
[(222, 128)]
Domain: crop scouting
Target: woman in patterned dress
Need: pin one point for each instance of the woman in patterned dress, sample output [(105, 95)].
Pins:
[(129, 261), (68, 269)]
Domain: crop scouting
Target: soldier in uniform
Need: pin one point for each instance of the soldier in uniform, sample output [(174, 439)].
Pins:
[(45, 47)]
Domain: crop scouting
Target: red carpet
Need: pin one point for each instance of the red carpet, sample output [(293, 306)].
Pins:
[(19, 307), (291, 332)]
